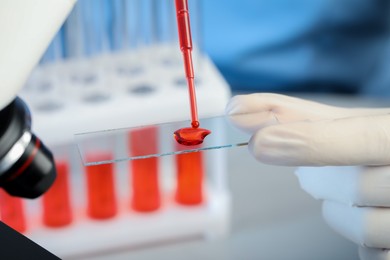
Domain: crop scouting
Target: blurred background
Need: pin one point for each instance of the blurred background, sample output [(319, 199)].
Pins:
[(117, 63), (300, 45), (280, 46)]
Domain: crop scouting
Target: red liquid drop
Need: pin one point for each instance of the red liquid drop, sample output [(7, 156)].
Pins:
[(191, 136)]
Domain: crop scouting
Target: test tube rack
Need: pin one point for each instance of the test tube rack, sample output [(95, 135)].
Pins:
[(122, 90)]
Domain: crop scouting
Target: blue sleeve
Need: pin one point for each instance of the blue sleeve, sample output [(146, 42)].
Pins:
[(300, 45)]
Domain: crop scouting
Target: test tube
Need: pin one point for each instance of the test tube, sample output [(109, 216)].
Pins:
[(44, 85), (118, 37), (73, 28), (94, 23), (86, 41), (144, 172), (190, 174), (129, 21), (12, 211), (101, 197), (124, 38), (56, 201)]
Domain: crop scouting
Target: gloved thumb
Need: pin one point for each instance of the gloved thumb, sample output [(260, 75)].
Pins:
[(255, 111), (366, 253), (345, 141)]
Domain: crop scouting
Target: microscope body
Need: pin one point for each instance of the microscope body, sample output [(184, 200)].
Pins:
[(27, 167)]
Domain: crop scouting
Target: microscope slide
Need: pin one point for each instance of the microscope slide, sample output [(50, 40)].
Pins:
[(223, 135)]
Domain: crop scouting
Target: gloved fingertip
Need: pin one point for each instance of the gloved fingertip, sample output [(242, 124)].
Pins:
[(274, 145), (366, 253), (231, 110), (234, 105), (259, 149)]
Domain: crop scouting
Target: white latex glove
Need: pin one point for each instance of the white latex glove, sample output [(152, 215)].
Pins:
[(295, 132)]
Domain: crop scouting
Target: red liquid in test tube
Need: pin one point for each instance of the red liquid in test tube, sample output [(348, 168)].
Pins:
[(144, 172), (189, 190), (12, 211), (101, 195), (56, 202)]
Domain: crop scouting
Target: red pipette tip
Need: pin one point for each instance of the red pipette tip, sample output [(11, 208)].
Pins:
[(191, 136), (195, 124)]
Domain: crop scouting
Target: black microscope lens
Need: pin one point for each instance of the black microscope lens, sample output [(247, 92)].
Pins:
[(27, 167)]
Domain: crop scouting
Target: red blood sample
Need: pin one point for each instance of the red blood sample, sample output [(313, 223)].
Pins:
[(144, 172), (191, 136), (101, 188), (189, 190), (56, 202), (12, 211)]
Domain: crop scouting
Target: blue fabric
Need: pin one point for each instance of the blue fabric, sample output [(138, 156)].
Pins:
[(300, 45)]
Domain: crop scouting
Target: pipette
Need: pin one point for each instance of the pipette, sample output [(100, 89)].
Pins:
[(193, 135)]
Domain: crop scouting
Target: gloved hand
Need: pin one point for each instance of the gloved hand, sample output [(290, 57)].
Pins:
[(353, 143)]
